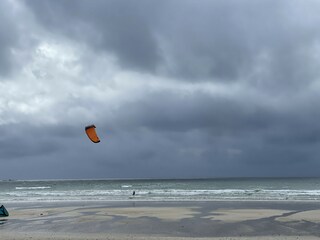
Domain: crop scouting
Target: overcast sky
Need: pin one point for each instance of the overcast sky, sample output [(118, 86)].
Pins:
[(176, 89)]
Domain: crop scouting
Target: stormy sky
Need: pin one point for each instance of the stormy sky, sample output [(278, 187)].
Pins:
[(176, 88)]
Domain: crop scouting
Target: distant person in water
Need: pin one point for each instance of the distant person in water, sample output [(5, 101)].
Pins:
[(134, 193)]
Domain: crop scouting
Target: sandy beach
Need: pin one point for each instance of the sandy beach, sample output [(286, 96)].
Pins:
[(162, 220)]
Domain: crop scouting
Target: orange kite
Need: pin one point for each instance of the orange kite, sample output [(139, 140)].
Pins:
[(92, 135)]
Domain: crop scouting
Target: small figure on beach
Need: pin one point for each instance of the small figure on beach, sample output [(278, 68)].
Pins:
[(134, 193)]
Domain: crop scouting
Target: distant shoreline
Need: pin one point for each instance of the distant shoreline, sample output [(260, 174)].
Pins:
[(156, 179)]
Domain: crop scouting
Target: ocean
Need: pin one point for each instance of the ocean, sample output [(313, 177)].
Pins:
[(161, 190)]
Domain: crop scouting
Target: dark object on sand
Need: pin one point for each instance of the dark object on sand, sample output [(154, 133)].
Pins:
[(3, 212), (134, 193)]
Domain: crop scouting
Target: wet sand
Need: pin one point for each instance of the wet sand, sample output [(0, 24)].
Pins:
[(162, 220)]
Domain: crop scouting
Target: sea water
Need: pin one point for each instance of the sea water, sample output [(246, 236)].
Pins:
[(161, 190)]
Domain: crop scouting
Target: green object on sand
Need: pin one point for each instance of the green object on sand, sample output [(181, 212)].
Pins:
[(3, 212)]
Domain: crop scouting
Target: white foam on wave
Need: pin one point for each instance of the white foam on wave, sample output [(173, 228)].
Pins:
[(123, 192), (32, 188)]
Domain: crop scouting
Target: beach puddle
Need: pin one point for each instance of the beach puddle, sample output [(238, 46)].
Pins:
[(163, 213), (3, 221), (309, 216), (240, 215)]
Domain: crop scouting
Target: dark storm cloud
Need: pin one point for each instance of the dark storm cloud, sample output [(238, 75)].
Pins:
[(208, 135), (294, 123), (169, 111), (16, 38), (122, 28), (8, 36), (23, 141), (230, 39), (224, 88), (210, 40)]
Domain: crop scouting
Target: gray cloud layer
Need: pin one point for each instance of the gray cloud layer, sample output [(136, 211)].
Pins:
[(176, 88)]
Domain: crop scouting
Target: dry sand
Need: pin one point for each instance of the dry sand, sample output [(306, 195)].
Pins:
[(162, 220)]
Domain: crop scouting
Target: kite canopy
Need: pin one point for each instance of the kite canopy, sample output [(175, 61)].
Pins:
[(3, 212), (92, 135)]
